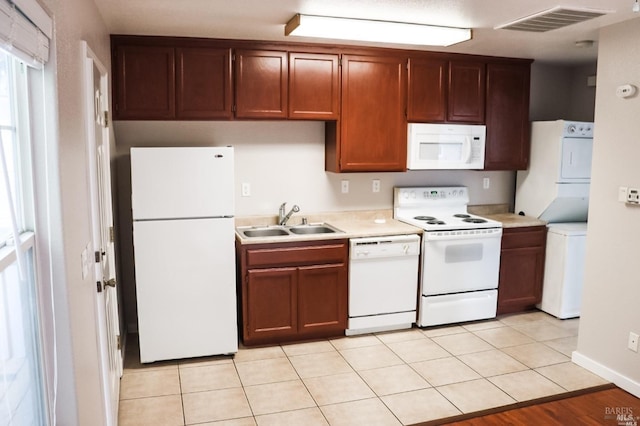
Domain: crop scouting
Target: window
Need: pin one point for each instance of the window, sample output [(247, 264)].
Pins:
[(21, 387)]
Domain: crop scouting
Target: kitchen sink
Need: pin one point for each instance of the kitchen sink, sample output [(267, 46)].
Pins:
[(264, 232), (283, 231), (313, 229)]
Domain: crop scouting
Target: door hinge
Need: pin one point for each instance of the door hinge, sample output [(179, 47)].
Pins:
[(99, 286), (340, 61), (106, 119), (111, 235), (234, 108), (98, 257), (118, 342), (233, 57)]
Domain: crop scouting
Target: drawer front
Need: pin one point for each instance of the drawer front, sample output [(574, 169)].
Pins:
[(534, 236), (270, 257)]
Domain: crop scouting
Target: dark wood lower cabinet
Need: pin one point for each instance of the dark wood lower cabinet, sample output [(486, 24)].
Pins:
[(521, 268), (292, 291)]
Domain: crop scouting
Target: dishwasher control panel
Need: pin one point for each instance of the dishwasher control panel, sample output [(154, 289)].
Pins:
[(384, 246)]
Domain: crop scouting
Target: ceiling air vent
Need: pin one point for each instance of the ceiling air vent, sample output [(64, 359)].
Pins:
[(552, 19)]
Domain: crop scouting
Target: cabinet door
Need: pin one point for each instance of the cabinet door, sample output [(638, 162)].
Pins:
[(322, 300), (466, 92), (261, 84), (521, 268), (203, 83), (145, 83), (507, 144), (272, 310), (313, 86), (427, 100), (373, 130)]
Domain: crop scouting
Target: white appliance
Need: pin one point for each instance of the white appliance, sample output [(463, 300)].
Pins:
[(556, 186), (183, 235), (460, 254), (383, 283), (445, 146), (564, 269)]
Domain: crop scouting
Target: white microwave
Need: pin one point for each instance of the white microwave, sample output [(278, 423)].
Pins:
[(445, 146)]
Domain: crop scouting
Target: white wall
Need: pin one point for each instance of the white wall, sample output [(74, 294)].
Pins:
[(612, 284), (283, 161), (561, 92), (79, 392)]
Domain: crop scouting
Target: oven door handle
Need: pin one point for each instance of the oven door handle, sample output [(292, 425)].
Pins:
[(474, 234)]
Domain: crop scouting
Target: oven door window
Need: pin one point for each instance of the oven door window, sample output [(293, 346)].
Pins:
[(463, 253), (453, 266)]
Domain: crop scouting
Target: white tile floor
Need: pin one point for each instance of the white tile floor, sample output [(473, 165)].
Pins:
[(393, 378)]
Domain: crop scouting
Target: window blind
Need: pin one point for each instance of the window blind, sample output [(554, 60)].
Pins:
[(25, 29)]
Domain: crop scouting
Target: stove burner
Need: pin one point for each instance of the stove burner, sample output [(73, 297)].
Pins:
[(424, 218), (461, 215), (474, 220), (436, 222)]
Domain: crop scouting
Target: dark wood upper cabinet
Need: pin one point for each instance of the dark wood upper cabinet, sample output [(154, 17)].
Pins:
[(508, 138), (427, 91), (145, 83), (466, 101), (314, 86), (203, 85), (372, 132), (261, 84)]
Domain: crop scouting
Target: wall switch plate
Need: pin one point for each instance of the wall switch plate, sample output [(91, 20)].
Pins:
[(246, 189), (344, 186), (633, 341), (375, 185), (486, 183)]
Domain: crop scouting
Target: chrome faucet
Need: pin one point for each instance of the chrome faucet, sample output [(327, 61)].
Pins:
[(283, 218)]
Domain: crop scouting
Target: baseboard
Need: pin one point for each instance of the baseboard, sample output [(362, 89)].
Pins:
[(605, 372)]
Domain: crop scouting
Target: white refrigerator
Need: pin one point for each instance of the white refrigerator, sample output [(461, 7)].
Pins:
[(183, 235)]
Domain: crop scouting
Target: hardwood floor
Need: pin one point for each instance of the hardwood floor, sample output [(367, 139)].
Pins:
[(604, 406)]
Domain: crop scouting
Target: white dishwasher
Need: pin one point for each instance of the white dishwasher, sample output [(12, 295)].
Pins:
[(383, 283)]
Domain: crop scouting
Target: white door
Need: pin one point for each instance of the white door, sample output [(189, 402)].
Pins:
[(197, 180), (107, 312), (185, 287)]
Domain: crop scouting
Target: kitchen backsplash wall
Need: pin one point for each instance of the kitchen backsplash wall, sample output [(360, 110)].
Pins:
[(284, 161)]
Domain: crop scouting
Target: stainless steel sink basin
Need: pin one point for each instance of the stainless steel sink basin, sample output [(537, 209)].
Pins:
[(266, 232), (313, 229), (283, 231)]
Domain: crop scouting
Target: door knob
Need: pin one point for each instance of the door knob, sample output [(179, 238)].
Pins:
[(110, 283)]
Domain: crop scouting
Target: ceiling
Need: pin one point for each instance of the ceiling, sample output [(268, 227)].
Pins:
[(265, 20)]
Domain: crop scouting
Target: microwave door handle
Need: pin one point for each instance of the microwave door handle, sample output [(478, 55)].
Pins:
[(467, 149)]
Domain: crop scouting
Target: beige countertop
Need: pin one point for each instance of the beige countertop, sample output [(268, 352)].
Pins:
[(355, 224), (512, 220), (360, 224)]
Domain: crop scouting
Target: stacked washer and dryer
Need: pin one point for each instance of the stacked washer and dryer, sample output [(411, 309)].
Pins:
[(556, 190)]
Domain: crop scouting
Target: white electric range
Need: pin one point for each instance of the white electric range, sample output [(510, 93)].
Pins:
[(460, 254)]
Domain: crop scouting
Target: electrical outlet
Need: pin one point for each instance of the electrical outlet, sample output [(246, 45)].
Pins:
[(486, 183), (344, 186), (622, 194), (633, 341), (633, 196), (246, 189), (375, 185)]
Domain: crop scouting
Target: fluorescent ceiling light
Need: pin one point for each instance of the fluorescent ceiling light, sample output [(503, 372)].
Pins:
[(376, 31)]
